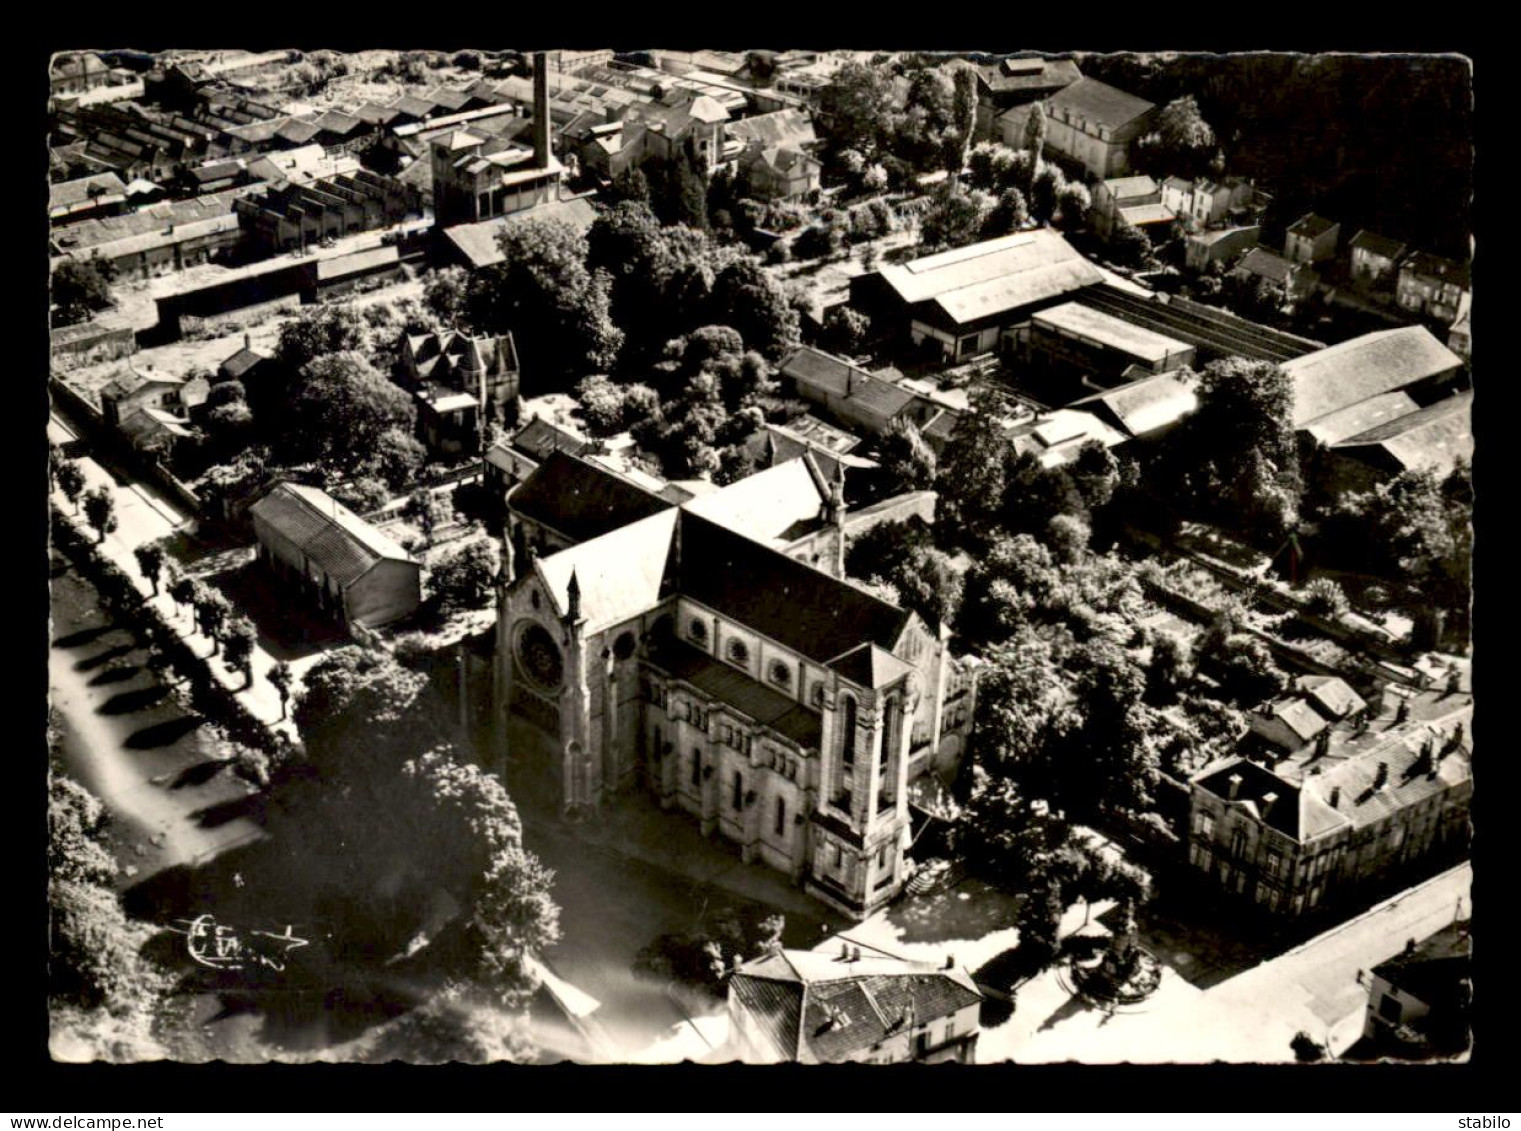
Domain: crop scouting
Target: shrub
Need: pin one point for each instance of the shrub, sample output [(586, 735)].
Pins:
[(1323, 597)]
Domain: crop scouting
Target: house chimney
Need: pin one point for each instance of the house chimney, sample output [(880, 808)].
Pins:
[(1383, 775), (540, 110), (248, 341), (1234, 781), (1268, 801), (950, 962), (844, 952), (1335, 796), (855, 954)]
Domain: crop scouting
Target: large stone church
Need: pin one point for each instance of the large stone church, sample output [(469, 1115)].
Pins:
[(704, 645)]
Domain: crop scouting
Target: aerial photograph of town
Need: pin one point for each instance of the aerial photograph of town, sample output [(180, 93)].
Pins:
[(632, 557)]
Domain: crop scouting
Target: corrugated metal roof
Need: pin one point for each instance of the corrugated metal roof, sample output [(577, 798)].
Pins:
[(1354, 370)]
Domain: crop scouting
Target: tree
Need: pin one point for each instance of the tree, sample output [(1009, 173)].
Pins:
[(1324, 598), (100, 512), (80, 287), (445, 293), (239, 650), (1068, 536), (629, 185), (452, 1026), (1008, 835), (971, 472), (1045, 190), (559, 311), (988, 165), (1095, 473), (71, 481), (466, 578), (1169, 670), (846, 329), (429, 510), (1247, 672), (343, 409), (1182, 144), (320, 330), (182, 590), (908, 463), (748, 298), (396, 458), (1073, 202), (855, 107), (601, 404), (282, 677), (77, 822), (351, 691), (955, 218), (1008, 214), (1035, 131), (1128, 245), (150, 560), (212, 612)]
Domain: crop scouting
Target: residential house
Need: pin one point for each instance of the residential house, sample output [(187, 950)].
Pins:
[(1056, 437), (1136, 200), (1290, 724), (133, 390), (686, 647), (1294, 280), (1291, 844), (460, 382), (661, 131), (1017, 83), (776, 154), (1219, 245), (1432, 286), (1311, 239), (858, 1007), (350, 568), (245, 365), (1459, 337), (75, 72), (1097, 348), (963, 302), (846, 392), (1420, 1000), (85, 343), (1374, 258), (1207, 202), (1094, 124)]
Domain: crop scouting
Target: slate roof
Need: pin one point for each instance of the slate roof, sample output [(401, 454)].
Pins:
[(729, 685), (1015, 74), (1377, 244), (339, 541), (1435, 267), (1266, 264), (790, 127), (823, 371), (1408, 780), (621, 574), (1099, 103), (1433, 970), (870, 666), (1433, 438), (1311, 226), (241, 362), (1330, 695), (1354, 370), (799, 607), (769, 506), (1256, 783), (1014, 270), (1146, 405), (813, 1006), (580, 499), (1122, 188), (539, 437)]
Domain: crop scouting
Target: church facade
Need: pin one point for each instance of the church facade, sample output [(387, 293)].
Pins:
[(703, 650)]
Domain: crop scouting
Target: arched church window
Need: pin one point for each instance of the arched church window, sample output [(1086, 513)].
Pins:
[(848, 747)]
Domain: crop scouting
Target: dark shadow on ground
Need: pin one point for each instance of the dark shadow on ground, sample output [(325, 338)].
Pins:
[(83, 636), (126, 702), (199, 774), (100, 659), (289, 627), (212, 816), (1070, 1008), (115, 675), (166, 733)]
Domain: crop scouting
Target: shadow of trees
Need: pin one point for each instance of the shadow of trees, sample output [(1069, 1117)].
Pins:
[(126, 702), (166, 733)]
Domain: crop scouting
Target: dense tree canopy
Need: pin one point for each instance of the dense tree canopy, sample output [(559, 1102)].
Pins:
[(342, 409)]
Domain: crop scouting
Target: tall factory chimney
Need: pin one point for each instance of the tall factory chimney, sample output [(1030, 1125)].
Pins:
[(540, 110)]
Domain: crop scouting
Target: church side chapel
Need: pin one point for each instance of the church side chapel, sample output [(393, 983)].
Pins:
[(710, 652)]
